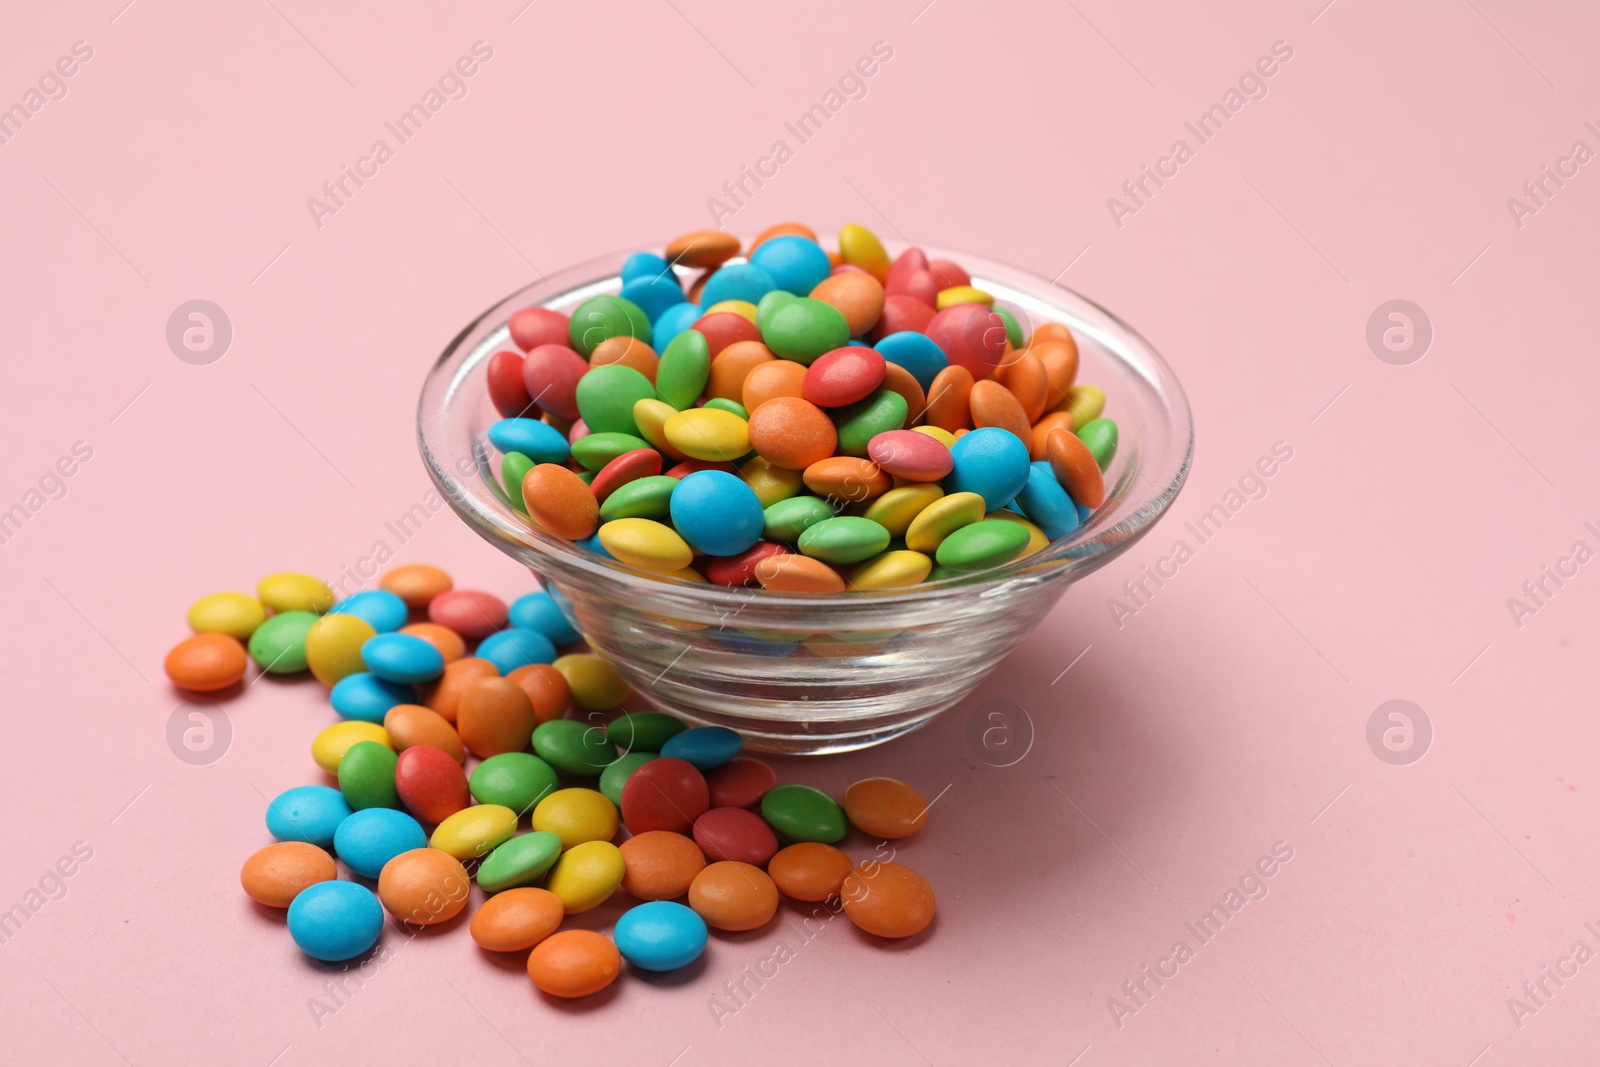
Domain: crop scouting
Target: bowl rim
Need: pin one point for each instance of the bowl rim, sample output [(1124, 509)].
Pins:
[(1094, 544)]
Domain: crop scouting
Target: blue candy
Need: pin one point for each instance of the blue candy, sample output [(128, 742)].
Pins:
[(516, 647), (645, 265), (367, 697), (662, 935), (990, 462), (335, 920), (539, 611), (539, 441), (403, 658), (592, 543), (654, 294), (373, 836), (673, 321), (917, 353), (736, 281), (716, 512), (378, 608), (1047, 504), (795, 264), (707, 747), (307, 813)]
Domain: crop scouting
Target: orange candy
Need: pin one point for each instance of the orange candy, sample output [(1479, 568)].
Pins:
[(856, 295), (1055, 420), (949, 399), (275, 875), (789, 573), (784, 229), (660, 865), (732, 366), (767, 380), (559, 501), (885, 807), (447, 641), (416, 583), (809, 870), (629, 352), (424, 886), (412, 724), (993, 404), (516, 919), (847, 479), (574, 963), (493, 716), (206, 663), (444, 695), (792, 433), (730, 895), (897, 379), (888, 899), (547, 689), (702, 248), (1060, 362), (1026, 379), (1076, 469)]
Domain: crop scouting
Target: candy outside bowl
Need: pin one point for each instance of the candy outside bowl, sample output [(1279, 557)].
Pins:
[(815, 673)]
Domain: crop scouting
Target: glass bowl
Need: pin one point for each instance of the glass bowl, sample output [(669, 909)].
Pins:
[(815, 673)]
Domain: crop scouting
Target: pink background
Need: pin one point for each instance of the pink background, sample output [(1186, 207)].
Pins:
[(1226, 715)]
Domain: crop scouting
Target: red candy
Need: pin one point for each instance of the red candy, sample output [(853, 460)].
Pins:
[(740, 570), (910, 455), (741, 782), (640, 463), (735, 834), (431, 783), (723, 328), (970, 336), (905, 264), (550, 374), (664, 794), (469, 612), (901, 313), (842, 377), (532, 327), (689, 466), (920, 285), (948, 273), (510, 396)]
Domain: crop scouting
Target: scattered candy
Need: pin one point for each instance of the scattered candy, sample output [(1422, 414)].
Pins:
[(277, 874), (888, 899), (660, 936), (574, 963), (516, 919), (335, 921)]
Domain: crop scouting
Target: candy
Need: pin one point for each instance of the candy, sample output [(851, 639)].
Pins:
[(208, 662), (335, 921), (574, 963), (702, 248), (652, 294), (1076, 468), (307, 813), (646, 544), (970, 336), (576, 816), (798, 574), (514, 648), (277, 874), (602, 317), (547, 690), (475, 831), (888, 899), (734, 896), (367, 697), (468, 612), (885, 807), (660, 936), (788, 519), (809, 870), (844, 539), (279, 645), (333, 646), (615, 777), (369, 839), (550, 375), (366, 776), (520, 861), (860, 247), (992, 404), (847, 480), (506, 391), (705, 747), (586, 875), (990, 462), (444, 695), (941, 518), (328, 748), (402, 658), (539, 441), (982, 545), (424, 886), (643, 731), (709, 434), (235, 614), (416, 583), (769, 380), (517, 919), (842, 377), (559, 501), (716, 513), (910, 455), (660, 865), (791, 433), (740, 783), (535, 326), (1099, 436), (735, 834), (628, 352), (515, 780), (664, 794), (430, 783), (294, 592), (628, 467), (898, 508), (801, 813), (494, 715), (856, 295), (859, 423), (803, 329), (684, 369), (1046, 503), (1026, 380), (573, 747), (890, 570), (447, 641), (595, 684), (950, 399)]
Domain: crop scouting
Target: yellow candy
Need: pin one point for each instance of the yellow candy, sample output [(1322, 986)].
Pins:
[(771, 484), (576, 816), (738, 307), (1085, 402), (859, 247), (329, 746), (234, 614), (963, 294), (891, 570), (474, 832), (938, 433), (294, 592), (651, 416), (942, 518), (646, 544), (586, 875), (595, 684), (895, 509), (333, 646), (709, 434), (1036, 536)]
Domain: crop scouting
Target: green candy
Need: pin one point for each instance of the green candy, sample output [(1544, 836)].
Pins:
[(614, 777), (642, 498), (939, 574), (513, 468), (848, 539), (1013, 327), (520, 861), (601, 318), (732, 407), (643, 731), (595, 450), (366, 776), (801, 813), (279, 645), (515, 780), (606, 396), (983, 544), (770, 303), (804, 329), (788, 519), (865, 419), (574, 747), (1101, 437), (684, 369)]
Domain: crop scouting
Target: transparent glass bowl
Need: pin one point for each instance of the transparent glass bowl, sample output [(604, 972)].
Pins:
[(813, 673)]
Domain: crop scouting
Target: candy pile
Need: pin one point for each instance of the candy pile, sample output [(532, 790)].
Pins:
[(703, 823), (814, 421)]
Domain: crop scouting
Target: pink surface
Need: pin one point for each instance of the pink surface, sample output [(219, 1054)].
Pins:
[(1172, 751)]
